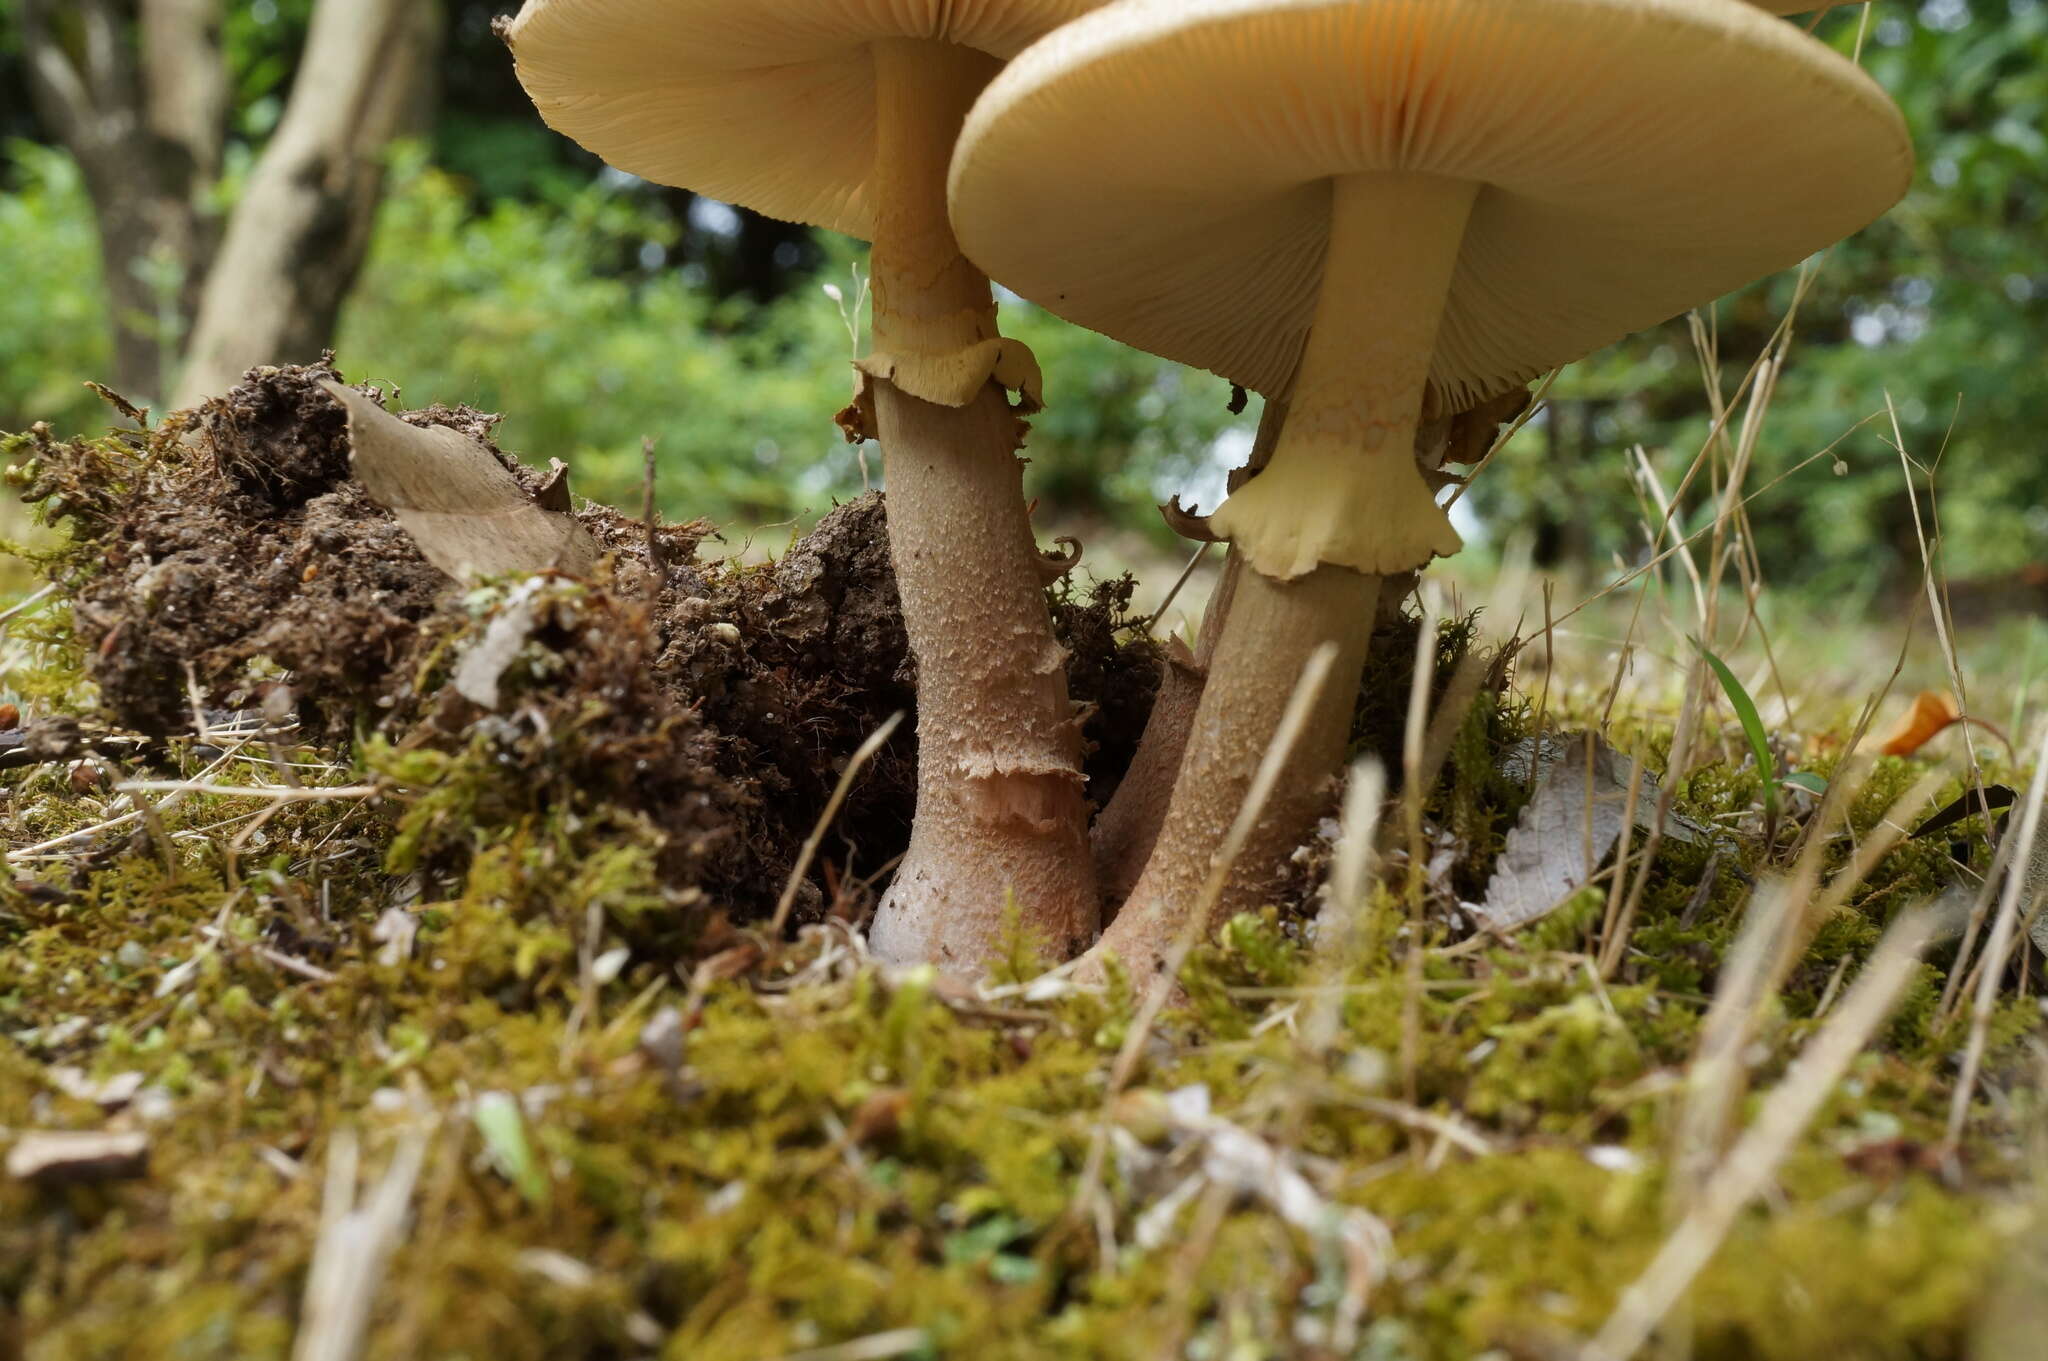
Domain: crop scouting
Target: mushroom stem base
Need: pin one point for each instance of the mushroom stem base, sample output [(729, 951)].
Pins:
[(1274, 628), (1000, 813)]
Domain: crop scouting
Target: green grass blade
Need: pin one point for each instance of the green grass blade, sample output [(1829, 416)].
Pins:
[(1752, 725)]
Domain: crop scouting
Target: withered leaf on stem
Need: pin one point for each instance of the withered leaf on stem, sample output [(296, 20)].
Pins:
[(468, 513)]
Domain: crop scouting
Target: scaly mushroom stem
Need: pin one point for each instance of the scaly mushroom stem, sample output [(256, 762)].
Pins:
[(1126, 830), (1340, 505), (999, 804), (1275, 626)]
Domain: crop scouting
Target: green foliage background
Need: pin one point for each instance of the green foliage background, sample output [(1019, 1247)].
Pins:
[(509, 274)]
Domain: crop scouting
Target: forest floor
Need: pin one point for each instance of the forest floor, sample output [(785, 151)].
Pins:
[(387, 970)]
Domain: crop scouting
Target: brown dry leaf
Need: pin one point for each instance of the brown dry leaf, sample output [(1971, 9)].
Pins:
[(465, 509), (1932, 714)]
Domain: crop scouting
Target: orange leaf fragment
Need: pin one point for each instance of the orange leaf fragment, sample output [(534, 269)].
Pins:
[(1932, 714)]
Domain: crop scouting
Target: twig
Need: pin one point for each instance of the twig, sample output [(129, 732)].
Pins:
[(877, 1347), (1414, 1117), (24, 606), (651, 519), (263, 952), (281, 793), (867, 750)]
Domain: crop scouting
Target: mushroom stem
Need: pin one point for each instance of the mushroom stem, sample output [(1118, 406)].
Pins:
[(1343, 487), (1125, 830), (929, 298), (1275, 627), (1000, 813), (1340, 505)]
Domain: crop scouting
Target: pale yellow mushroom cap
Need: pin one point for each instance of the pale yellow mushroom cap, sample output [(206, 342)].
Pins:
[(765, 103), (1160, 170)]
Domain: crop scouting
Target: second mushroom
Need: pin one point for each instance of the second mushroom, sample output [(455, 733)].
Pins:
[(1353, 204)]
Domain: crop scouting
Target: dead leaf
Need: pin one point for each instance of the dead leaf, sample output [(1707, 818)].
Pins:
[(1570, 826), (465, 510), (1231, 1157), (1933, 713), (395, 933)]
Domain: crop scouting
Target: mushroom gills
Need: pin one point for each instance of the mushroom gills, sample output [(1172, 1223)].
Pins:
[(1343, 489)]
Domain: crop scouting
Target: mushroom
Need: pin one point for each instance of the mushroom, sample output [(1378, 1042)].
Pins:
[(1357, 204), (843, 114)]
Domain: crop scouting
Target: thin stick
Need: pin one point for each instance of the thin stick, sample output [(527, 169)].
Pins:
[(1186, 574), (650, 518), (268, 955), (24, 606), (281, 793), (1807, 1085), (876, 1347), (875, 742), (1999, 948)]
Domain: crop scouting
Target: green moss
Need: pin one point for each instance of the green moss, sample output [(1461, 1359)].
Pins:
[(841, 1154)]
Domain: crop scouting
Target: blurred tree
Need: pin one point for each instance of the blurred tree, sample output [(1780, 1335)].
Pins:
[(139, 92), (1942, 307), (297, 237), (143, 116)]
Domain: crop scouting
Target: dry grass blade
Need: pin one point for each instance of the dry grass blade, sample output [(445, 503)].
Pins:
[(27, 604), (1343, 924), (1300, 705), (1173, 592), (876, 1347), (1714, 1082), (876, 741), (1088, 1199), (2005, 934), (1742, 1175), (355, 1246)]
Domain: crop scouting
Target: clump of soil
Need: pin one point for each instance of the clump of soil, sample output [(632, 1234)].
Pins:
[(229, 535), (1112, 670), (228, 554)]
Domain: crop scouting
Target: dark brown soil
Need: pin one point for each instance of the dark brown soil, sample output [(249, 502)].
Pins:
[(238, 535), (229, 554)]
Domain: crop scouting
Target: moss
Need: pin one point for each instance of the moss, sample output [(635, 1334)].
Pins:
[(819, 1153)]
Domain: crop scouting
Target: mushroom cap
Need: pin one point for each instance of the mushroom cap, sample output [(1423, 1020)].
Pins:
[(765, 103), (1160, 171)]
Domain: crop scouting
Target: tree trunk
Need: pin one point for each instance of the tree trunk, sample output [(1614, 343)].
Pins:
[(147, 138), (297, 239)]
